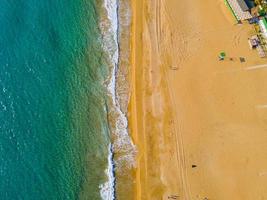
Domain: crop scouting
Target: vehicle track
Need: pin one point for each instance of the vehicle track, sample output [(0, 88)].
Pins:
[(179, 144)]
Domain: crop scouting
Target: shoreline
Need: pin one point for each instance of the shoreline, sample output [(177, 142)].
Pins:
[(109, 32), (122, 151), (188, 109)]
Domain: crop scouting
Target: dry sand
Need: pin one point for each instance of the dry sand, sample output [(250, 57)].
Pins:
[(187, 108)]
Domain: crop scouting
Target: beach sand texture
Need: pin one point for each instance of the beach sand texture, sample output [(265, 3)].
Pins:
[(187, 108)]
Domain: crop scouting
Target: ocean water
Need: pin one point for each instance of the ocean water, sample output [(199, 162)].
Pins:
[(54, 133)]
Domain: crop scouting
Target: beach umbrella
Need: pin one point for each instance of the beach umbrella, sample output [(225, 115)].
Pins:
[(222, 55)]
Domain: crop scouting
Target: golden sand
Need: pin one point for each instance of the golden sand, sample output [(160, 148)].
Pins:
[(187, 108)]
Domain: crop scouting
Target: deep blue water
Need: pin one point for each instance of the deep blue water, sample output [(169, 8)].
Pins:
[(53, 128)]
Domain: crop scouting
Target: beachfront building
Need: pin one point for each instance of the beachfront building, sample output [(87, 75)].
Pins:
[(239, 9), (263, 27)]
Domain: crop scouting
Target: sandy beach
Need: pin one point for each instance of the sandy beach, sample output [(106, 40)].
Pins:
[(199, 123)]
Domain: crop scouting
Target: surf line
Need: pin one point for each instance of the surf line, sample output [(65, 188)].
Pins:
[(111, 46)]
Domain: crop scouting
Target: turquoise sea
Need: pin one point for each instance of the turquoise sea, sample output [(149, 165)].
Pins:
[(53, 123)]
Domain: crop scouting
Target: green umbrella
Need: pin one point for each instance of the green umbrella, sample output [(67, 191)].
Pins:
[(222, 54)]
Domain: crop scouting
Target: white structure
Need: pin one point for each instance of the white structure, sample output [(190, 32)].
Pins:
[(240, 9), (263, 27)]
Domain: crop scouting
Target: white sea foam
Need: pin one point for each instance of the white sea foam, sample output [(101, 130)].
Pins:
[(107, 190), (122, 143)]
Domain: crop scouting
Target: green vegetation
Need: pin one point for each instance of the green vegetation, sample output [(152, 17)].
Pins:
[(262, 9), (262, 12)]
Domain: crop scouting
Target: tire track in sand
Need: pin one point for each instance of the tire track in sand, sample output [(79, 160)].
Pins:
[(180, 152), (179, 144)]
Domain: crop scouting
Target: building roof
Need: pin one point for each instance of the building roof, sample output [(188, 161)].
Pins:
[(263, 27), (264, 22), (237, 7), (243, 5)]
